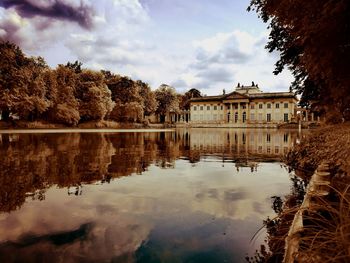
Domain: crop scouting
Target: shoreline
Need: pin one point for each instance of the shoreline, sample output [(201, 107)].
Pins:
[(82, 130), (329, 144)]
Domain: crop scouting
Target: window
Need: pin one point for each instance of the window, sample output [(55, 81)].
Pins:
[(215, 107), (260, 106), (285, 137), (215, 117), (236, 117), (195, 108), (268, 137), (228, 106), (244, 106), (277, 150), (286, 105), (277, 105), (208, 107), (252, 106), (285, 118), (222, 107), (244, 117), (260, 116), (201, 107), (269, 105), (252, 117), (268, 117)]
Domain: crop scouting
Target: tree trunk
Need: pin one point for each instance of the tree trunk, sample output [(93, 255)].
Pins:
[(5, 115)]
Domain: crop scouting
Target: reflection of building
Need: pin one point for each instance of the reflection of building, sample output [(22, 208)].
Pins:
[(246, 106), (243, 144)]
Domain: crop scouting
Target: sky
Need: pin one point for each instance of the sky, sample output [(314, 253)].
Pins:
[(210, 45)]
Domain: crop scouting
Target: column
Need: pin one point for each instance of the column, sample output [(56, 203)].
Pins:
[(239, 113), (231, 113), (306, 116), (312, 117), (247, 112)]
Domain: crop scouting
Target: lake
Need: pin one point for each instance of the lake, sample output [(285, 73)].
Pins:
[(189, 195)]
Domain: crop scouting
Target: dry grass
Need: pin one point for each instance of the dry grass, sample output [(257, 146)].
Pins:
[(330, 144), (326, 236)]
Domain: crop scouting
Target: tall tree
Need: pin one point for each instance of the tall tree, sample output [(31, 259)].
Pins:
[(94, 96), (313, 38), (64, 104), (149, 102), (167, 100), (11, 80), (126, 95)]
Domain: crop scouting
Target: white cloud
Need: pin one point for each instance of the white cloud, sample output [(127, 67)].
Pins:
[(223, 60)]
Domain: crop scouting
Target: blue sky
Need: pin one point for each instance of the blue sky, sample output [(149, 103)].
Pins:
[(205, 44)]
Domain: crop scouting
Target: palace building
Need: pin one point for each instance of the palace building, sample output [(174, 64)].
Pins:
[(246, 106)]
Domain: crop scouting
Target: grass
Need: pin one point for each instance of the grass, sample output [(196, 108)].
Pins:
[(326, 235)]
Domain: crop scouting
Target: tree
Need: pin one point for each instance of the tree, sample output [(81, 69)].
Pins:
[(64, 104), (11, 63), (32, 101), (94, 96), (313, 38), (185, 99), (167, 100), (149, 102), (22, 88), (126, 95), (76, 66)]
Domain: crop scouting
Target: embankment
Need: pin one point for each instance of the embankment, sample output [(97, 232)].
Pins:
[(325, 236)]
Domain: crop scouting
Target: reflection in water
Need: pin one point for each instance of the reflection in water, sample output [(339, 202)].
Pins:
[(196, 211)]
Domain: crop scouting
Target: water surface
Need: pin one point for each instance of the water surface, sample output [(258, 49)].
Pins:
[(196, 195)]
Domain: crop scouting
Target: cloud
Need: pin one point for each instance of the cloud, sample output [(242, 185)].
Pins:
[(179, 84), (214, 75), (55, 9), (30, 34), (223, 60), (114, 42)]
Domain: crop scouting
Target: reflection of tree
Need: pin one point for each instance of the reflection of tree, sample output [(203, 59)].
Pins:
[(34, 162)]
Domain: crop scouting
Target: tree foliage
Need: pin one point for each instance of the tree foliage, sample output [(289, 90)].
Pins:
[(313, 38), (94, 96), (185, 99), (167, 100), (30, 90)]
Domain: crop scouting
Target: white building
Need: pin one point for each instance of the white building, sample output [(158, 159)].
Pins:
[(246, 106)]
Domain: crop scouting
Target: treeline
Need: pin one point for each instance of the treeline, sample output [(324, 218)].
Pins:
[(30, 90)]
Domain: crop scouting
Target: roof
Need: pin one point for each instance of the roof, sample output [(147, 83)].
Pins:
[(207, 98), (262, 95)]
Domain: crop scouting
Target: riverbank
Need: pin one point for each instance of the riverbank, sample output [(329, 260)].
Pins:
[(86, 125), (326, 233)]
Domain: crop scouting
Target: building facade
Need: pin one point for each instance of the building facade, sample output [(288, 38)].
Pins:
[(243, 107)]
